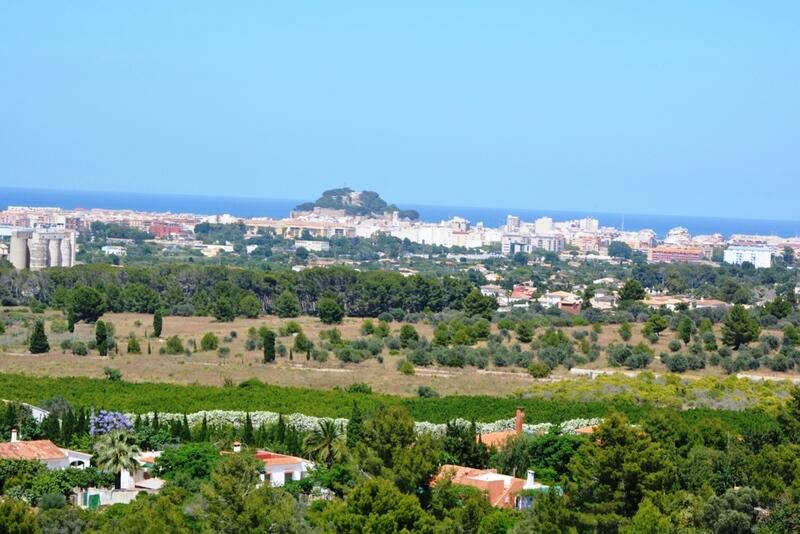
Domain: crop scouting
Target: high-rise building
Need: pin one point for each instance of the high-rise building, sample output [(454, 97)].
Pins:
[(512, 224), (543, 225)]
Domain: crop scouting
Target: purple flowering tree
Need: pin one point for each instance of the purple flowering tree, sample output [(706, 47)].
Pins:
[(105, 422)]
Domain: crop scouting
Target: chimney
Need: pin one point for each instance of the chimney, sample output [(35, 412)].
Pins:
[(14, 435), (237, 447), (530, 481), (519, 420)]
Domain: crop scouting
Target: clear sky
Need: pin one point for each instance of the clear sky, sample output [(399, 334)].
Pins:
[(676, 107)]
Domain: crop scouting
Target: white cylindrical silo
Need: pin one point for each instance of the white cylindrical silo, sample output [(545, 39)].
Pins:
[(18, 253), (54, 253), (67, 259)]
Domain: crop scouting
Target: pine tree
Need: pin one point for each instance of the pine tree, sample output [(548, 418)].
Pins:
[(38, 342), (158, 324)]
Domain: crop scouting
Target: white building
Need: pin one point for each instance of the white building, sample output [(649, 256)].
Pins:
[(44, 451), (760, 257), (141, 479), (114, 250), (313, 246), (278, 468), (511, 244)]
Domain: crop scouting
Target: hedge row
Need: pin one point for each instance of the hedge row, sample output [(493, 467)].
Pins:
[(253, 396)]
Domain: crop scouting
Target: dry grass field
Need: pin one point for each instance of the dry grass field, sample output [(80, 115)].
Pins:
[(241, 364)]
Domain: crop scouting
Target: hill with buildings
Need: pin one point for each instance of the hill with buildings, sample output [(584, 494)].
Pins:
[(364, 203)]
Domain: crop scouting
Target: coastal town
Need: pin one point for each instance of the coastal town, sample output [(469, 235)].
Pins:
[(38, 237)]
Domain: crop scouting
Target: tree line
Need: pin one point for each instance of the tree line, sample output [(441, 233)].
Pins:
[(225, 292)]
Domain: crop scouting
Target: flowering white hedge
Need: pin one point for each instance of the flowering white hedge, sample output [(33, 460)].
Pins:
[(308, 422)]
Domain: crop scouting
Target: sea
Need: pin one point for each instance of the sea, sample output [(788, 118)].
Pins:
[(490, 217)]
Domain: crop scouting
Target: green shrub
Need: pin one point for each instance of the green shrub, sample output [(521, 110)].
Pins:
[(674, 345), (133, 346), (114, 375), (174, 345), (427, 392), (209, 341), (79, 348), (539, 370), (52, 501), (292, 327), (359, 387), (405, 367)]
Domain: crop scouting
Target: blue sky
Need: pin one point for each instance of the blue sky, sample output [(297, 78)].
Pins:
[(679, 107)]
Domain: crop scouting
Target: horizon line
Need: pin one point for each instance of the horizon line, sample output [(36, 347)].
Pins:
[(510, 211)]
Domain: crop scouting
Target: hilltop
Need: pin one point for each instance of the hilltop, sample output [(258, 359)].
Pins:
[(365, 203)]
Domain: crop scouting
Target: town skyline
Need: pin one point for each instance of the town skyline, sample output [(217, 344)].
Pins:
[(439, 211)]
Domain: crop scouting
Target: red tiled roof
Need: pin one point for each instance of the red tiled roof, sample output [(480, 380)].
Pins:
[(42, 449)]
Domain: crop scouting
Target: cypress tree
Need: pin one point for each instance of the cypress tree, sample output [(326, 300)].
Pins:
[(294, 444), (269, 346), (68, 427), (186, 432), (82, 425), (148, 347), (101, 337), (155, 424), (280, 430), (158, 324), (51, 427), (308, 355), (203, 429), (247, 434), (71, 320), (38, 342), (355, 427), (291, 354)]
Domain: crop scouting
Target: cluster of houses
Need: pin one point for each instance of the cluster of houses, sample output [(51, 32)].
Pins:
[(502, 491), (604, 298)]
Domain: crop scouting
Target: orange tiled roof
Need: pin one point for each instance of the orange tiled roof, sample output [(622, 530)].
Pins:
[(42, 449), (273, 458), (501, 490), (497, 439)]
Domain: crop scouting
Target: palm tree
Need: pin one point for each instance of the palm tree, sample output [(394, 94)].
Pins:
[(115, 452), (326, 442)]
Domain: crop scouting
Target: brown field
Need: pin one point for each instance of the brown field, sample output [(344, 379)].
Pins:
[(240, 364)]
